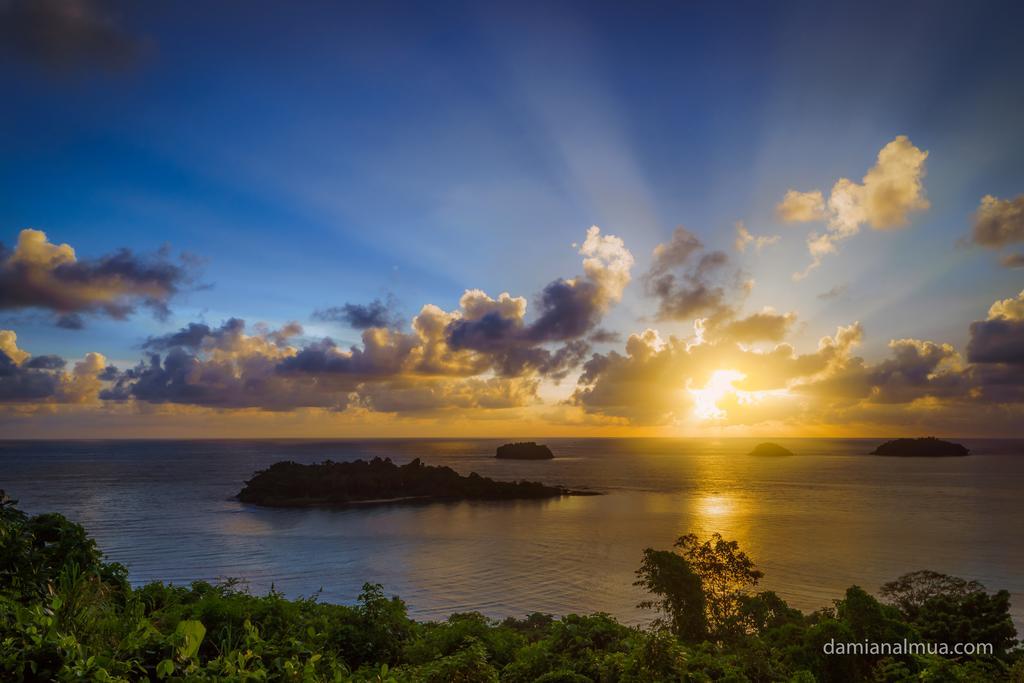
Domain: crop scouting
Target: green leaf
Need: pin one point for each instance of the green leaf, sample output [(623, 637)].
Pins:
[(164, 669), (190, 634)]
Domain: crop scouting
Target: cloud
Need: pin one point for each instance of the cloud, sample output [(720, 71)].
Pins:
[(571, 308), (9, 346), (225, 367), (801, 207), (65, 35), (231, 367), (745, 238), (603, 336), (41, 380), (1008, 309), (652, 382), (689, 282), (377, 313), (70, 321), (40, 274), (485, 353), (836, 292), (915, 369), (1000, 337), (430, 397), (889, 192), (714, 374), (568, 310), (764, 326), (1012, 260), (999, 223)]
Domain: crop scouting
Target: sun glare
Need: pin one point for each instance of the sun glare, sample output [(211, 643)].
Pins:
[(705, 401)]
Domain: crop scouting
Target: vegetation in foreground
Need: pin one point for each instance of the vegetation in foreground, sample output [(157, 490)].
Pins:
[(67, 615)]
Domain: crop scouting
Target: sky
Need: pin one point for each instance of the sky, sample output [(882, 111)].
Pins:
[(515, 219)]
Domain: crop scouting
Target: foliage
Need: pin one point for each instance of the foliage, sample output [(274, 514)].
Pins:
[(702, 588), (68, 615)]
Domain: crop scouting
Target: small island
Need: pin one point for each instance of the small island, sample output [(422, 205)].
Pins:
[(927, 447), (770, 450), (379, 481), (526, 450)]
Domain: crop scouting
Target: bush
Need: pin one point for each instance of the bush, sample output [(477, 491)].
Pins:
[(68, 615)]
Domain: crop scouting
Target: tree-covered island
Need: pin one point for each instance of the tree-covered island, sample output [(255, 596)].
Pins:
[(380, 481), (926, 447)]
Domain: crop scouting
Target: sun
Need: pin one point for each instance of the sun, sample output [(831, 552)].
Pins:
[(705, 401)]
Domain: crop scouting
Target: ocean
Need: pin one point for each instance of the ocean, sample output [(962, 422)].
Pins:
[(815, 523)]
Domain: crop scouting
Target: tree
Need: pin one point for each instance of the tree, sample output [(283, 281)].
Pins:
[(911, 591), (948, 609), (680, 597), (700, 587), (726, 573)]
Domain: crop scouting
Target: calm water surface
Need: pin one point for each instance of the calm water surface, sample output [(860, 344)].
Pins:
[(815, 523)]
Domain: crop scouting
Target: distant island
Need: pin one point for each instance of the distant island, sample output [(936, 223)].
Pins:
[(770, 450), (290, 484), (927, 447), (526, 450)]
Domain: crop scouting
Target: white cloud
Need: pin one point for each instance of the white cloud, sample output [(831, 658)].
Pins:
[(884, 199), (745, 238)]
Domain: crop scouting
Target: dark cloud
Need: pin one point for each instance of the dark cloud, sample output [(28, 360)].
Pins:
[(1000, 383), (1012, 260), (568, 310), (603, 336), (380, 355), (689, 282), (998, 222), (65, 35), (21, 383), (45, 363), (492, 331), (27, 379), (194, 335), (109, 374), (518, 361), (998, 340), (183, 377), (39, 274), (495, 329), (441, 359), (377, 313), (190, 336), (836, 292), (70, 321), (914, 370)]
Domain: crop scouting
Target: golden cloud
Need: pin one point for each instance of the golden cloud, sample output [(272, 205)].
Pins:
[(884, 199)]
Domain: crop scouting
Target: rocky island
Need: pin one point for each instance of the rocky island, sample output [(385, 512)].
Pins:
[(927, 447), (290, 484), (770, 450), (526, 450)]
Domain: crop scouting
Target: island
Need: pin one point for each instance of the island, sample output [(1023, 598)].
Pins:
[(526, 450), (927, 447), (333, 484), (770, 450)]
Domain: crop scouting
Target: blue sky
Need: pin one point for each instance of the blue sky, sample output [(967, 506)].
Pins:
[(324, 153)]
